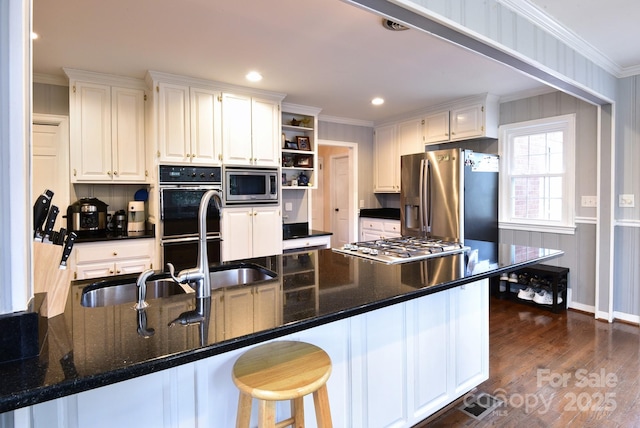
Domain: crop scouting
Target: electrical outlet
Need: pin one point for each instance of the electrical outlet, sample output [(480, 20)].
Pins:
[(626, 201), (361, 203), (589, 201)]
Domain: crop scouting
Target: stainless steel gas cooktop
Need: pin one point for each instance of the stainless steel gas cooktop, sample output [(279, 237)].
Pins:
[(401, 250)]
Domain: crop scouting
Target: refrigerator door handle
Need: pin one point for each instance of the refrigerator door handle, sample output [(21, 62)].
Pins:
[(429, 198), (423, 207)]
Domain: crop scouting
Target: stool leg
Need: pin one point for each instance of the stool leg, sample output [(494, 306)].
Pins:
[(297, 412), (321, 403), (266, 413), (243, 418)]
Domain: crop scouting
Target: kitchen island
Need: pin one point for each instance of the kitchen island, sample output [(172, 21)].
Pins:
[(405, 340)]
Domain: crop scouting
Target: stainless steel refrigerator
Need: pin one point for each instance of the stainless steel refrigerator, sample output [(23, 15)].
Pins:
[(450, 194)]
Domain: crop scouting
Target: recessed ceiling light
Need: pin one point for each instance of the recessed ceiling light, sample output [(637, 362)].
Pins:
[(377, 101), (34, 35), (254, 76)]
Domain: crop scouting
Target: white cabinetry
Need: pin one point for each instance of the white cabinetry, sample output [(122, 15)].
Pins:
[(376, 228), (431, 350), (107, 123), (473, 117), (391, 142), (188, 124), (248, 309), (108, 258), (250, 130), (251, 232)]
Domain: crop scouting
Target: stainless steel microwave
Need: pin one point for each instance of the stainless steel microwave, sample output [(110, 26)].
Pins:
[(249, 185)]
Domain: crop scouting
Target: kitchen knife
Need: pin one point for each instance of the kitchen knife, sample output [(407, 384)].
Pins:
[(58, 237), (51, 220), (68, 246), (40, 211)]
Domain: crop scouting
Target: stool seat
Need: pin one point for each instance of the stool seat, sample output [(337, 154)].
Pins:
[(283, 370)]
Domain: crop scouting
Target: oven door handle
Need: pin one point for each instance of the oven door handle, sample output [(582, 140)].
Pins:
[(210, 237)]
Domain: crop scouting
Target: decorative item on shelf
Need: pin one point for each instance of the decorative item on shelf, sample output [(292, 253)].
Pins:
[(284, 179), (303, 161), (303, 143), (294, 122), (290, 145), (287, 160), (284, 140), (303, 180), (306, 121)]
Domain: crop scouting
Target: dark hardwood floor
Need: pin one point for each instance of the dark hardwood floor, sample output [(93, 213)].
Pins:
[(556, 370)]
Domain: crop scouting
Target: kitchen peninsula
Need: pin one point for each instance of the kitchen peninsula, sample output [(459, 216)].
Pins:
[(405, 340)]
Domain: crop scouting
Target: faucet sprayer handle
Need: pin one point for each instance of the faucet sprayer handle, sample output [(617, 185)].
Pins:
[(172, 272)]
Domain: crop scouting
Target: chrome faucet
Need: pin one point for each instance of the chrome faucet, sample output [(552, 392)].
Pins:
[(199, 275)]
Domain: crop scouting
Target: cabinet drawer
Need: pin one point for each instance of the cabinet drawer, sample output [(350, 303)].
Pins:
[(91, 252), (372, 224), (392, 228)]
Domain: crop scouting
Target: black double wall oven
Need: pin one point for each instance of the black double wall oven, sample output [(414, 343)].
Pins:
[(181, 188)]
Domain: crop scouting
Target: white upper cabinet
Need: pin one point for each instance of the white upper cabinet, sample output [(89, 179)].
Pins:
[(250, 130), (385, 171), (107, 138), (188, 124), (436, 127), (467, 122)]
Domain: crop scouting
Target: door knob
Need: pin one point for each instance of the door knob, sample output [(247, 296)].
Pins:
[(337, 209)]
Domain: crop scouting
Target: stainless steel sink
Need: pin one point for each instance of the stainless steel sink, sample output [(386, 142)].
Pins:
[(108, 294), (238, 274), (122, 291)]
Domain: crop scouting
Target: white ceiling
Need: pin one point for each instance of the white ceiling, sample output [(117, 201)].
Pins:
[(322, 53)]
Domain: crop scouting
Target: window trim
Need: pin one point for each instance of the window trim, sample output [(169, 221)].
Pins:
[(566, 123)]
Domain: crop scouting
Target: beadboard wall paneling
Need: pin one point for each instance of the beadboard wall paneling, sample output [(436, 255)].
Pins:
[(50, 99), (580, 248), (363, 136), (499, 24), (626, 290)]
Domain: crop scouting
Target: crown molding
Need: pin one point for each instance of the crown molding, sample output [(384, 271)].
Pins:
[(538, 17), (345, 121), (50, 79)]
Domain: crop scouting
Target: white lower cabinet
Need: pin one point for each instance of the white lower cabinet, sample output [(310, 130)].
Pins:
[(377, 228), (251, 232), (392, 367), (97, 259)]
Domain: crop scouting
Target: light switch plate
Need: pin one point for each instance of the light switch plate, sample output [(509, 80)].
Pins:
[(626, 201), (589, 201), (288, 206)]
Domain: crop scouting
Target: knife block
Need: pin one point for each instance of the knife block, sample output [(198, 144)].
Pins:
[(48, 278)]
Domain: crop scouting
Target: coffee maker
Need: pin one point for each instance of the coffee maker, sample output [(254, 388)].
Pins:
[(136, 221)]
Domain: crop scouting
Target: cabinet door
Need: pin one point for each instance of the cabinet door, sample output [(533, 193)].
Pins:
[(174, 130), (237, 233), (94, 270), (436, 127), (132, 266), (267, 305), (127, 134), (265, 130), (467, 122), (386, 177), (410, 138), (90, 141), (206, 144), (238, 312), (236, 129), (267, 231), (471, 335)]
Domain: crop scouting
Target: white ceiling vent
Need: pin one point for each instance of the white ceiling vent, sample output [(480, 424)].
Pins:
[(393, 26)]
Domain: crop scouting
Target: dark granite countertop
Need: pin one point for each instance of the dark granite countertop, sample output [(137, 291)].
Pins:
[(86, 348), (385, 213), (300, 230)]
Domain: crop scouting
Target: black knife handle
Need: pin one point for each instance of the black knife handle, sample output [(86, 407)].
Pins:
[(68, 246), (40, 210), (51, 221)]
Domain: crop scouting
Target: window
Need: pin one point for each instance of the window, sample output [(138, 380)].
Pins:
[(537, 175)]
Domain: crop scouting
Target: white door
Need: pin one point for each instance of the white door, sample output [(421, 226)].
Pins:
[(50, 160), (317, 198), (340, 200)]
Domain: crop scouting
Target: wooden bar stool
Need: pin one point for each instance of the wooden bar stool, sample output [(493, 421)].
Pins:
[(278, 371)]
